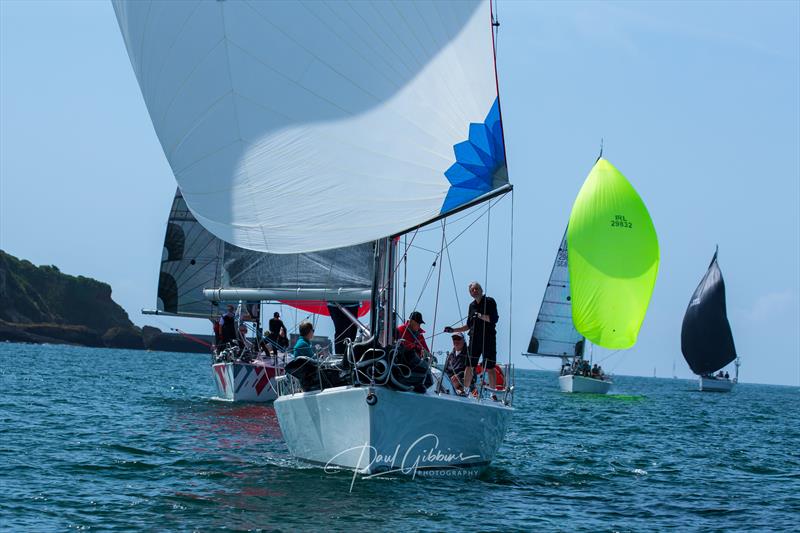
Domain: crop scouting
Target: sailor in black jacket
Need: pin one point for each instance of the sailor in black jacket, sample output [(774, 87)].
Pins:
[(482, 320)]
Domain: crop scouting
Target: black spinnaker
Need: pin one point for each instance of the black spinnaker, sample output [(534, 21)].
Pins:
[(706, 338)]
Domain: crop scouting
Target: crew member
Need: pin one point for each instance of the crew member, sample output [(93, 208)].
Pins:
[(482, 320)]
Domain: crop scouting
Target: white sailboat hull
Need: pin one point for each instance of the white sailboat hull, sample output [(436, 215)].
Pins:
[(403, 432), (572, 383), (710, 384), (245, 382)]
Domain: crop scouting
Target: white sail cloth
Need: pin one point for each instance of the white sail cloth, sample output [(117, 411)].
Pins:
[(193, 260), (554, 333), (301, 126)]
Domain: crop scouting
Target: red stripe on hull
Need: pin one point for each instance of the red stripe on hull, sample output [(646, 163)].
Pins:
[(221, 374), (261, 384)]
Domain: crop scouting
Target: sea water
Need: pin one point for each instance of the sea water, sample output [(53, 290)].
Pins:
[(98, 439)]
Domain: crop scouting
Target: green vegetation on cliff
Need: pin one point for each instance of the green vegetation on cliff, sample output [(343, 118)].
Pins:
[(31, 294), (44, 305)]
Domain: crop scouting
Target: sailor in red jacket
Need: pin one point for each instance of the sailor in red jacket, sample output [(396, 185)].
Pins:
[(412, 334)]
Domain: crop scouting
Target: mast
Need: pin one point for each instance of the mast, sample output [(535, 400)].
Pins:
[(382, 314)]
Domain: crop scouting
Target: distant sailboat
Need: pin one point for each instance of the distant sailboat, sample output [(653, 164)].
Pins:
[(706, 337), (554, 334), (194, 262), (601, 281)]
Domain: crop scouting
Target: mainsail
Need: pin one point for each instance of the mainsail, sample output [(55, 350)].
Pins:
[(190, 262), (706, 338), (302, 126), (193, 259), (554, 334), (613, 258)]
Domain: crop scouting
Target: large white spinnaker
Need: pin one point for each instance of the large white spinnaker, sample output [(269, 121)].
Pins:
[(300, 126)]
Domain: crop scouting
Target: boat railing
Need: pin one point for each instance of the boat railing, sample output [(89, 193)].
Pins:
[(508, 393), (287, 385), (482, 389), (374, 367)]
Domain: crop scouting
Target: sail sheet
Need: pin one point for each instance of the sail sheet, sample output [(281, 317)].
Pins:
[(706, 338), (554, 334), (613, 258), (193, 259), (302, 126)]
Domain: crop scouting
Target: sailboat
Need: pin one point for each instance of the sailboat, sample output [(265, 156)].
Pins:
[(601, 282), (294, 128), (554, 334), (706, 337), (194, 260)]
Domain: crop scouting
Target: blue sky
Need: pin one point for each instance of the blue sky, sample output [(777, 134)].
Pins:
[(698, 104)]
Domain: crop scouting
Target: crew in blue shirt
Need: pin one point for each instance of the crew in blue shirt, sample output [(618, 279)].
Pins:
[(303, 346)]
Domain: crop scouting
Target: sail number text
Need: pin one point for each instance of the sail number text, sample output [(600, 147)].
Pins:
[(620, 222)]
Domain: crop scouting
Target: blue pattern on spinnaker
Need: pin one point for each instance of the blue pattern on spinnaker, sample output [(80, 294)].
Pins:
[(478, 160)]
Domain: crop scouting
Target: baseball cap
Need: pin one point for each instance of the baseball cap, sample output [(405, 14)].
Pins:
[(416, 316), (458, 335)]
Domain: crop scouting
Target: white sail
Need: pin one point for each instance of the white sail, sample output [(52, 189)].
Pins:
[(554, 333), (197, 267), (301, 126)]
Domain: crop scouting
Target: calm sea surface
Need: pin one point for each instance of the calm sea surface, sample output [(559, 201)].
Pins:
[(115, 439)]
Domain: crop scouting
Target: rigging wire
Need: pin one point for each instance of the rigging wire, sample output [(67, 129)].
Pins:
[(460, 216), (488, 236), (453, 277), (496, 28), (427, 280), (511, 281), (438, 286), (447, 247), (483, 299), (192, 338), (405, 271)]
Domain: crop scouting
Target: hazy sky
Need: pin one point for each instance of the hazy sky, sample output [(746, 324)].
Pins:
[(698, 103)]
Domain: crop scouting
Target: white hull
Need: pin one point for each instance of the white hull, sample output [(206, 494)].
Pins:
[(572, 383), (403, 432), (245, 382), (716, 384)]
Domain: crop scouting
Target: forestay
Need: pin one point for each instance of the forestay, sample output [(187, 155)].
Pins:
[(613, 258), (302, 126), (554, 334), (706, 337), (193, 259)]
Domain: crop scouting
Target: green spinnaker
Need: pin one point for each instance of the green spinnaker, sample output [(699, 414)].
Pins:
[(613, 258)]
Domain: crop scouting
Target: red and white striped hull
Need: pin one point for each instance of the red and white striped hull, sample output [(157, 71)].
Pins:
[(245, 382)]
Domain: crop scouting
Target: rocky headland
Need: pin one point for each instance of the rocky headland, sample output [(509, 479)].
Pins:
[(41, 304)]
